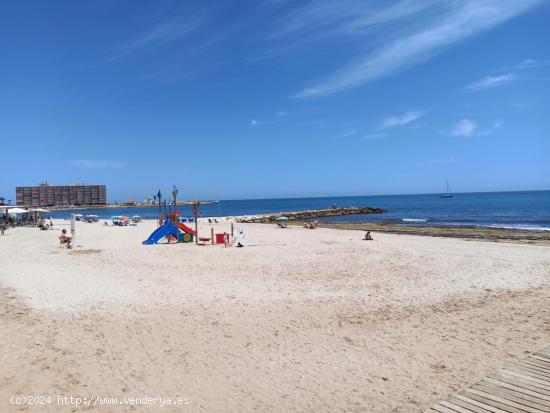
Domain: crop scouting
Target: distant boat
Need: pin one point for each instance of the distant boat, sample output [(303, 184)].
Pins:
[(447, 194)]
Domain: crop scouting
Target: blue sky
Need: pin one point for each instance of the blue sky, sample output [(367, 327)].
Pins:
[(237, 99)]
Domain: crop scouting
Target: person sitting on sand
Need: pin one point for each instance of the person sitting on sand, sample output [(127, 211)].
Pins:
[(311, 225), (368, 237), (42, 225), (65, 239)]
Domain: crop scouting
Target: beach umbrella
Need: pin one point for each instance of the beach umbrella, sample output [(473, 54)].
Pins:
[(17, 211), (283, 218), (39, 210)]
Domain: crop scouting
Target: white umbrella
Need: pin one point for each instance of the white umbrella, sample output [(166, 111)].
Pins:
[(17, 211), (39, 210)]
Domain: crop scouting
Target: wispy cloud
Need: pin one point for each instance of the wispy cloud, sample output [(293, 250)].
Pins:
[(347, 134), (165, 25), (86, 163), (280, 117), (522, 105), (374, 136), (527, 64), (512, 74), (404, 119), (465, 128), (165, 32), (489, 131), (315, 20), (434, 162), (445, 27), (468, 128), (491, 81)]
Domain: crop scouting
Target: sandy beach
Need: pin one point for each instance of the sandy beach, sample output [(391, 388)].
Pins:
[(306, 321)]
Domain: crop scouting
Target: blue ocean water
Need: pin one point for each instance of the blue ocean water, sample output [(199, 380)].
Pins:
[(528, 210)]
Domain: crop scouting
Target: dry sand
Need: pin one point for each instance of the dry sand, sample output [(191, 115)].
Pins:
[(307, 321)]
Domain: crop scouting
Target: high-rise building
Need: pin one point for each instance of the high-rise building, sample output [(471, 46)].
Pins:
[(56, 195)]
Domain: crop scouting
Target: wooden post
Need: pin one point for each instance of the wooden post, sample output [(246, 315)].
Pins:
[(174, 194), (196, 213), (160, 212), (212, 234), (231, 229)]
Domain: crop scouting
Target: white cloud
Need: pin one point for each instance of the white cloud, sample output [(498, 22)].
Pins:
[(253, 123), (434, 162), (465, 128), (490, 130), (522, 105), (443, 28), (528, 64), (315, 20), (469, 129), (165, 25), (281, 114), (401, 120), (374, 136), (511, 75), (86, 163), (491, 81), (347, 133)]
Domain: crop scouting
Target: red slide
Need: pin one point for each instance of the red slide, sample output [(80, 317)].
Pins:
[(185, 228)]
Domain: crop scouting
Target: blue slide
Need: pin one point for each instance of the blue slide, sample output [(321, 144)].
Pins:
[(168, 228)]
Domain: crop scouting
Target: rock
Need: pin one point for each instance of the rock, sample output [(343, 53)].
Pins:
[(318, 213)]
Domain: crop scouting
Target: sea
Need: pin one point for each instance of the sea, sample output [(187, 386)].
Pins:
[(527, 210)]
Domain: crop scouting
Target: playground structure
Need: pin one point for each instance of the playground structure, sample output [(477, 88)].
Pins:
[(180, 232), (172, 232), (173, 229), (164, 231)]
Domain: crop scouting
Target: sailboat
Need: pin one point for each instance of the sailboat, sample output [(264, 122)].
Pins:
[(447, 194)]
